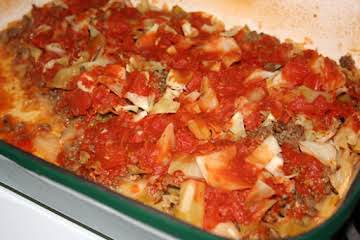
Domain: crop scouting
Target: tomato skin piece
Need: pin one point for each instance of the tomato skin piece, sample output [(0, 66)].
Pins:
[(296, 70), (253, 120), (78, 102), (185, 141), (103, 99), (114, 70), (137, 83), (155, 125), (333, 78)]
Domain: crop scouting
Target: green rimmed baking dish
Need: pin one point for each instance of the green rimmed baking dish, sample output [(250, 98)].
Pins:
[(116, 216)]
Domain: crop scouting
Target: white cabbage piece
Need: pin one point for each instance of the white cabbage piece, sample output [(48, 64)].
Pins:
[(115, 87), (208, 101), (50, 64), (325, 152), (84, 88), (55, 48), (143, 6), (144, 102), (287, 226), (265, 152), (214, 66), (47, 146), (310, 95), (77, 26), (153, 29), (199, 128), (166, 144), (166, 103), (193, 96), (60, 3), (188, 30), (134, 189), (35, 52), (275, 166), (341, 179), (99, 61), (261, 74), (237, 126), (327, 206), (185, 163), (270, 119), (324, 136), (209, 28), (169, 29), (171, 50), (63, 76), (221, 44), (139, 116), (276, 81), (227, 230), (346, 136), (213, 166), (69, 134), (192, 200), (320, 136), (43, 28), (231, 32), (259, 208), (304, 121), (318, 65), (84, 56), (139, 63), (260, 191), (215, 26), (256, 95), (93, 31), (127, 108), (177, 80)]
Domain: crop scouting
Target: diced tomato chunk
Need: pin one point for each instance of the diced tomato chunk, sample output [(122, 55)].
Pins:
[(138, 84), (78, 101)]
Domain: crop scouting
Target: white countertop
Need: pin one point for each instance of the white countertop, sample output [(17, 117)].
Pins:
[(22, 219)]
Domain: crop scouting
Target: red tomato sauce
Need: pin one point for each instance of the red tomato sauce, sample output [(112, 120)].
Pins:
[(309, 170), (114, 136), (223, 206), (321, 110)]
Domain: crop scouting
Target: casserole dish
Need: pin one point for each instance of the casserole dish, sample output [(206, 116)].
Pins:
[(307, 40)]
